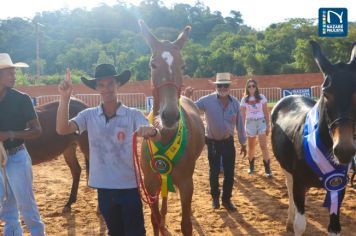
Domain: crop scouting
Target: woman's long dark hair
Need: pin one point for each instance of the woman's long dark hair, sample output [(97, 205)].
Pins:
[(257, 92)]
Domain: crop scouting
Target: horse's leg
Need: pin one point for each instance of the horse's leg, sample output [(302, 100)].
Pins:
[(300, 223), (291, 207), (72, 161), (155, 218), (84, 148), (334, 224), (353, 167), (186, 193), (163, 212)]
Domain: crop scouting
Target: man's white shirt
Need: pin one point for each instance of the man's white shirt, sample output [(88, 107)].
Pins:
[(110, 145)]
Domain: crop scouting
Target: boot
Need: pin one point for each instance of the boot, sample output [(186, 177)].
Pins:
[(252, 166), (215, 203), (267, 168), (229, 205)]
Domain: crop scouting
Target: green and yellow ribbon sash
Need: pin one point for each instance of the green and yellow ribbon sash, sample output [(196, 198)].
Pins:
[(166, 156)]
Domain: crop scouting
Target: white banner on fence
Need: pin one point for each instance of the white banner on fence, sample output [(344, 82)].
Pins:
[(149, 103)]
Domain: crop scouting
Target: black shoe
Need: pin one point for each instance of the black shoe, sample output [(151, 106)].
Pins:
[(216, 203), (267, 169), (252, 166), (229, 206)]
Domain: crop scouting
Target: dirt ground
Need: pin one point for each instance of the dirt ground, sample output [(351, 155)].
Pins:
[(262, 204)]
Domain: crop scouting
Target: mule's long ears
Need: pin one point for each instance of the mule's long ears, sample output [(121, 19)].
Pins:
[(324, 65), (150, 38), (353, 54), (182, 38)]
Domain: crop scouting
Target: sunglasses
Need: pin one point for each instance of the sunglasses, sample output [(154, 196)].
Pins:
[(223, 85), (251, 86)]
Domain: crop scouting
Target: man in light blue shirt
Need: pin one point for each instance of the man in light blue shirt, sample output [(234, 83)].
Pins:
[(222, 112), (110, 128)]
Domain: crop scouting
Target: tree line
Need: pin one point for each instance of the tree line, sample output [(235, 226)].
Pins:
[(81, 39)]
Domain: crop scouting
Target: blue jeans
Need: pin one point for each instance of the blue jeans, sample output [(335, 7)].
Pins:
[(122, 211), (224, 150), (20, 197)]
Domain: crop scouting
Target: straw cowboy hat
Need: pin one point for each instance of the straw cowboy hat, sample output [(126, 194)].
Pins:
[(103, 71), (6, 62), (223, 78)]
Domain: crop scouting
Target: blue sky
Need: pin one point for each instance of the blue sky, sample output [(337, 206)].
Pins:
[(256, 13)]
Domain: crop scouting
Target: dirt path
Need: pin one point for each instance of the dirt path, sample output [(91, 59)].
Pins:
[(262, 204)]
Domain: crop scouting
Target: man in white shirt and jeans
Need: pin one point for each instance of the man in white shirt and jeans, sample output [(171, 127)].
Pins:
[(110, 128)]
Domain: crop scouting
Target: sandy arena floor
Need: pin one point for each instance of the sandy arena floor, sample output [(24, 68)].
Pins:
[(262, 204)]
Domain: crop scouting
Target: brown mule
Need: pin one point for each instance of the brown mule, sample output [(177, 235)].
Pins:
[(166, 78)]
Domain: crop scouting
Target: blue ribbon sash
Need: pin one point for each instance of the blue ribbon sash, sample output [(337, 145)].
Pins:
[(319, 158)]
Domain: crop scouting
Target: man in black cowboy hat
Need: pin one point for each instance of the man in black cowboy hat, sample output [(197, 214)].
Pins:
[(110, 127)]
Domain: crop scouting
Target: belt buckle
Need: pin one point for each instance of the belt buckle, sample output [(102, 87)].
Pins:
[(13, 151)]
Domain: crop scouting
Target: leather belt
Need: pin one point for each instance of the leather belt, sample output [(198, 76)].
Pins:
[(228, 139), (255, 118), (14, 150)]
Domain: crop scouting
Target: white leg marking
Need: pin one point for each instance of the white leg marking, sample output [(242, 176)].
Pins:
[(334, 234), (300, 224)]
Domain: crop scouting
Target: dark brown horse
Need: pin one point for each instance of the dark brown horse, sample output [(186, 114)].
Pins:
[(50, 145), (166, 78), (303, 129)]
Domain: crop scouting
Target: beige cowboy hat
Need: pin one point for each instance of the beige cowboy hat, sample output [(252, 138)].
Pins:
[(223, 78), (6, 62)]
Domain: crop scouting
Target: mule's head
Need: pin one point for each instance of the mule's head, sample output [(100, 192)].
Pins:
[(338, 102), (167, 67)]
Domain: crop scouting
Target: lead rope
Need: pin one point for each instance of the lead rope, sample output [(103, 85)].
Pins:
[(145, 195)]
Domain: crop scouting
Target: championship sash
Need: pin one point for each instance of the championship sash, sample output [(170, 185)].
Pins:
[(319, 158), (166, 156)]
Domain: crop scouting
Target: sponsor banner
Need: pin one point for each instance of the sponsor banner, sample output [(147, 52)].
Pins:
[(296, 91)]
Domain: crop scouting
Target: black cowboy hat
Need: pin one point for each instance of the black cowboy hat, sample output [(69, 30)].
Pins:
[(103, 71)]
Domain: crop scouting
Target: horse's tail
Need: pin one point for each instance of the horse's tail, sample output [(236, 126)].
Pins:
[(3, 160)]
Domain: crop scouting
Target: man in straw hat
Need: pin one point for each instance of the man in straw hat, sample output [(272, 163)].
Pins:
[(222, 112), (110, 129), (18, 122)]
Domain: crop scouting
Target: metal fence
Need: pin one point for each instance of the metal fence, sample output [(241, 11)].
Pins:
[(137, 100), (272, 94), (315, 92), (46, 99)]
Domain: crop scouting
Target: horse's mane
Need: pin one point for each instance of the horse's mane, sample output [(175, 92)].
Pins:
[(323, 121)]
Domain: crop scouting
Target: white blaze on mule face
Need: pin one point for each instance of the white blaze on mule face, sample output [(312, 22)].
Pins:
[(168, 58)]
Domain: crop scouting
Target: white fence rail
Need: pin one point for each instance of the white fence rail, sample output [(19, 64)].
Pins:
[(136, 100), (272, 94), (315, 92), (46, 99)]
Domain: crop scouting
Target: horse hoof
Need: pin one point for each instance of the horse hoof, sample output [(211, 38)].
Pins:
[(66, 209), (289, 228), (164, 231)]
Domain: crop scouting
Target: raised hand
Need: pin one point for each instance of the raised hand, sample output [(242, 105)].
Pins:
[(65, 87), (188, 92)]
